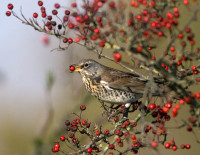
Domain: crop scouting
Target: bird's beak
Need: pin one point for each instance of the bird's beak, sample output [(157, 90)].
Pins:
[(77, 68)]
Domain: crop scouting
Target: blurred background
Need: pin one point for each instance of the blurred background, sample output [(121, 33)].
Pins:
[(26, 59)]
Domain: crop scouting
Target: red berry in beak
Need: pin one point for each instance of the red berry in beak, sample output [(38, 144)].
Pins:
[(71, 68)]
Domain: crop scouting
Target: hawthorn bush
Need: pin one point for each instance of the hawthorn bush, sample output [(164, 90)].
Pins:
[(151, 35)]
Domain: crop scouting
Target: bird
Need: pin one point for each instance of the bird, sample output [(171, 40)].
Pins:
[(110, 85)]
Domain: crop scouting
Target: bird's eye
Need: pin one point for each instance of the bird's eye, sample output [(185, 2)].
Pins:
[(86, 65)]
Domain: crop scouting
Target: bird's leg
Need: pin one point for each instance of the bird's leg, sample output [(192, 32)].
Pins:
[(126, 110), (134, 106)]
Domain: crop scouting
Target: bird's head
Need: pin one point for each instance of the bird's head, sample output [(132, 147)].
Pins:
[(88, 67)]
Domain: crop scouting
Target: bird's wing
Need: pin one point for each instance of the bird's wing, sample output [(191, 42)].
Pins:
[(116, 79)]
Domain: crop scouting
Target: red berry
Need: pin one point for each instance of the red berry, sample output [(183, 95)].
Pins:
[(50, 27), (174, 147), (172, 48), (187, 146), (154, 144), (44, 15), (169, 15), (57, 145), (186, 2), (67, 122), (40, 3), (54, 12), (98, 19), (55, 149), (71, 68), (187, 30), (98, 132), (194, 68), (181, 101), (127, 122), (67, 12), (187, 99), (106, 132), (175, 9), (75, 140), (197, 95), (139, 48), (71, 25), (111, 146), (126, 134), (77, 39), (177, 106), (120, 144), (87, 125), (180, 36), (118, 139), (117, 57), (10, 6), (189, 128), (35, 15), (152, 106), (49, 17), (74, 5), (77, 121), (165, 109), (122, 106), (57, 6), (153, 57), (134, 124), (101, 44), (73, 123), (112, 4), (70, 40), (167, 117), (182, 146), (89, 150), (179, 63), (168, 105), (174, 113), (167, 145), (82, 107), (139, 17), (123, 125), (84, 122), (8, 13), (43, 10), (97, 31), (117, 132), (135, 141), (153, 3), (133, 137), (116, 119), (62, 138), (195, 72), (65, 41), (160, 34)]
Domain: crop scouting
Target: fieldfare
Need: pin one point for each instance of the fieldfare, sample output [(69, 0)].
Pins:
[(110, 85)]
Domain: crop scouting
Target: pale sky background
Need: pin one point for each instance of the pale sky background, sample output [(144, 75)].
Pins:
[(24, 64)]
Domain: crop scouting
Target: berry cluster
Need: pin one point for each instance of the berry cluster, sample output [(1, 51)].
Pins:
[(96, 134), (134, 36)]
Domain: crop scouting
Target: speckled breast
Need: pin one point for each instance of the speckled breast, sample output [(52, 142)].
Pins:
[(110, 95)]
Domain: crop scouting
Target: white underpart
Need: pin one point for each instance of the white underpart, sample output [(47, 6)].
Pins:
[(127, 105), (105, 84)]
